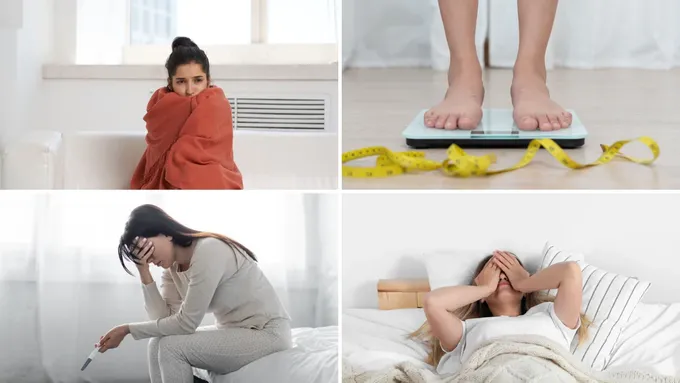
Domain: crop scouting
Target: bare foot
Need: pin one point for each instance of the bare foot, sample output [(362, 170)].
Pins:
[(533, 108), (462, 104)]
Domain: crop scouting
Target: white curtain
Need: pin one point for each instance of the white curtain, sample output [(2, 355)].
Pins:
[(399, 33), (62, 286), (596, 34), (587, 34)]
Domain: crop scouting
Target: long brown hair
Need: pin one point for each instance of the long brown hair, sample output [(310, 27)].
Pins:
[(481, 309), (148, 221)]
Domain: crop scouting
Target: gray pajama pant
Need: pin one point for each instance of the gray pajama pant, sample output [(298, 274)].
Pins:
[(172, 357)]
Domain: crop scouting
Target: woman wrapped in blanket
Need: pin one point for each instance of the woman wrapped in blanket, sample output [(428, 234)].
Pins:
[(503, 299), (203, 272), (189, 129)]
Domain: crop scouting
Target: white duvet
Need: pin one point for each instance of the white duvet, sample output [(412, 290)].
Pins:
[(313, 359), (375, 339)]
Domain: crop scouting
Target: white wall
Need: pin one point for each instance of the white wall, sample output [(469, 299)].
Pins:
[(384, 234), (35, 48), (24, 50)]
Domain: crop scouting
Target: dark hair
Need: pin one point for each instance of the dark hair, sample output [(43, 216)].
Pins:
[(185, 51), (148, 221)]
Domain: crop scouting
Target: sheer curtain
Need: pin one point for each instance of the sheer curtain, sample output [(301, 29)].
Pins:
[(596, 34), (399, 33), (62, 285), (587, 34)]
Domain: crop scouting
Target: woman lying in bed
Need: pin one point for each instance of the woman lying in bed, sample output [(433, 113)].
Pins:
[(502, 300), (189, 129)]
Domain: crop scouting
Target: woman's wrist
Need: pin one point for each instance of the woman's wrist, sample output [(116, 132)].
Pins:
[(145, 276), (488, 289), (522, 285)]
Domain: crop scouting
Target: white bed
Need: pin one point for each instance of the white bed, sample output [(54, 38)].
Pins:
[(313, 359), (373, 339)]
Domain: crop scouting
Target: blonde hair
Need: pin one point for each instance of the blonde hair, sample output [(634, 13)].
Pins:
[(481, 309)]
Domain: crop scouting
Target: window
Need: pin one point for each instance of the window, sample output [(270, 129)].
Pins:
[(230, 31), (152, 21)]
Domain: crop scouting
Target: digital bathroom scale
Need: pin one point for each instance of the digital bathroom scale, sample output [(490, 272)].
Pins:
[(496, 130)]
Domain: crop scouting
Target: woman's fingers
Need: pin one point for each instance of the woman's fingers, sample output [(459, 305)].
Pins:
[(137, 244), (147, 250), (500, 260), (500, 265), (511, 258), (502, 255)]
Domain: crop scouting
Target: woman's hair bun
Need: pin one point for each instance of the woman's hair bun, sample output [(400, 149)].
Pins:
[(183, 42)]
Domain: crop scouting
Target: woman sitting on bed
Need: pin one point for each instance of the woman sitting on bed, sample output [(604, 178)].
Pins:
[(204, 272), (189, 129), (502, 300)]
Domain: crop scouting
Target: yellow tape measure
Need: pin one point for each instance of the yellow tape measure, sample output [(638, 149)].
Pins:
[(460, 164)]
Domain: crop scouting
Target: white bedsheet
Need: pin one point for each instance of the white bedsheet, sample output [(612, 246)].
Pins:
[(651, 341), (313, 359), (375, 339)]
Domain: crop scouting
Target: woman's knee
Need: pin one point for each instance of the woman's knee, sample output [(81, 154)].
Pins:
[(153, 344), (168, 345), (152, 348)]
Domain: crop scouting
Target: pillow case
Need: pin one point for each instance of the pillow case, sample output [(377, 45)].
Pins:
[(609, 300), (451, 268)]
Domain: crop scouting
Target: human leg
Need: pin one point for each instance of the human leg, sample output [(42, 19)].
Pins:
[(533, 107), (221, 351), (462, 104)]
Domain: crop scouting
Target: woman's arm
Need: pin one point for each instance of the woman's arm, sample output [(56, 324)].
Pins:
[(157, 304), (454, 297), (160, 304), (566, 278), (209, 264), (439, 303)]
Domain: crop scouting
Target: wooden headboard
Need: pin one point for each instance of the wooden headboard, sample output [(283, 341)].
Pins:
[(402, 293)]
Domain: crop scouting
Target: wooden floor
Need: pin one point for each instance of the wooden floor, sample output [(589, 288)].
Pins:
[(377, 104)]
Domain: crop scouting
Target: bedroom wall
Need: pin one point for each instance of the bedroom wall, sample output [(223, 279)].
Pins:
[(384, 235)]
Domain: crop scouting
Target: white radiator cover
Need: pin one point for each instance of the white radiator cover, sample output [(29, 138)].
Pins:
[(295, 112)]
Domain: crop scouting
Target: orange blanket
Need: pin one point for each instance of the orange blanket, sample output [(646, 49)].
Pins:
[(189, 143)]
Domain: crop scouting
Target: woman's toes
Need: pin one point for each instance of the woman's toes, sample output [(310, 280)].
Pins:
[(527, 123), (555, 122), (544, 122), (429, 119), (564, 123), (568, 117), (467, 123), (439, 123), (451, 122)]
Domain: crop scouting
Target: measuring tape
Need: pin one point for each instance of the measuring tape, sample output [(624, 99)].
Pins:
[(460, 164)]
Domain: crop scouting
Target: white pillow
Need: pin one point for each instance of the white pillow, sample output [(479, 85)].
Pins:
[(452, 268), (609, 299)]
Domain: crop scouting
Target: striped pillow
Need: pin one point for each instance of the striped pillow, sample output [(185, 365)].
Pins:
[(608, 301)]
